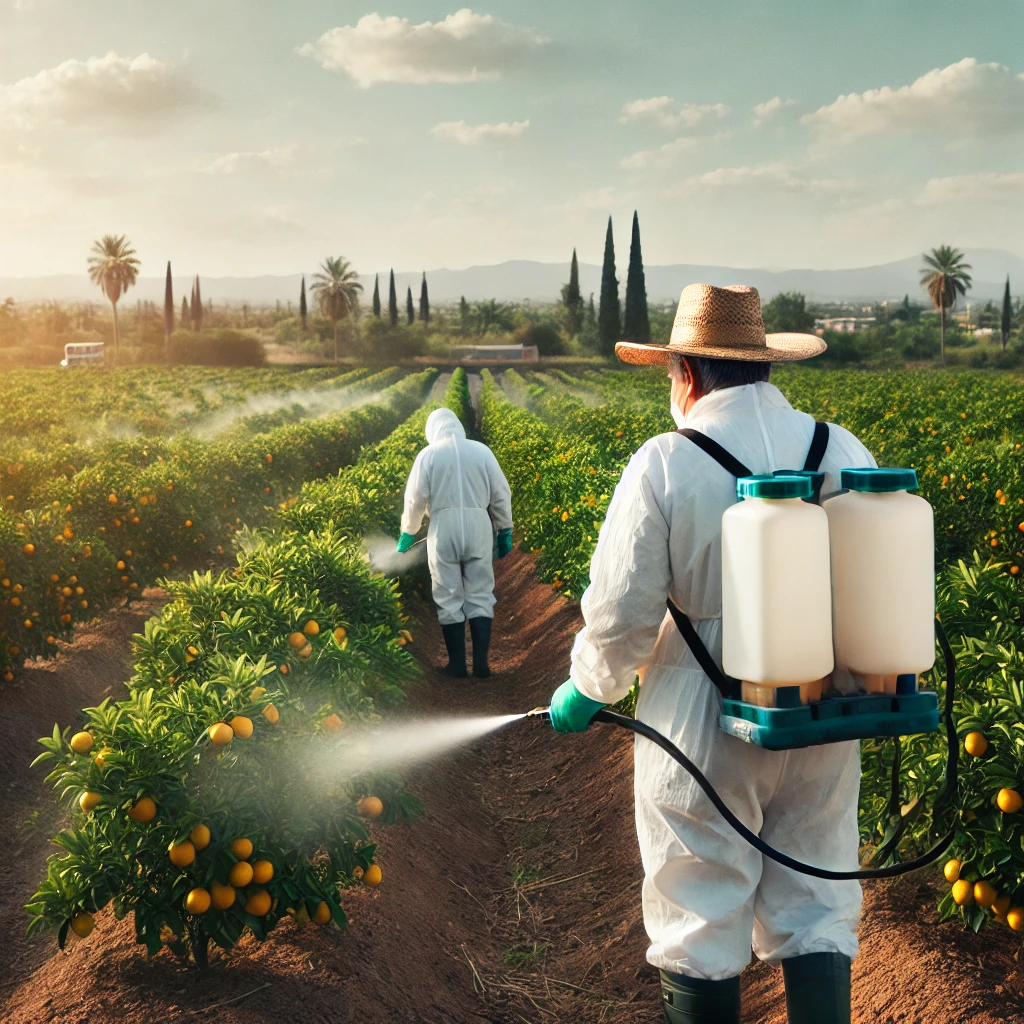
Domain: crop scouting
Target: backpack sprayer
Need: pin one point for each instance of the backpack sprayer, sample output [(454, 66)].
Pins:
[(828, 620)]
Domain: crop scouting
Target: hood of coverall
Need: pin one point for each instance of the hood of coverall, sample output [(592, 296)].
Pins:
[(442, 424)]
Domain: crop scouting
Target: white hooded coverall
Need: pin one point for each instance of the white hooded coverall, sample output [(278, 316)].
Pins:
[(708, 897), (461, 486)]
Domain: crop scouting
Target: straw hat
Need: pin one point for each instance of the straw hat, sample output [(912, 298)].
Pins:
[(722, 323)]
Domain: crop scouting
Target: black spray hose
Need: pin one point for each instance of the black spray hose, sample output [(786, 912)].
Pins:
[(894, 870)]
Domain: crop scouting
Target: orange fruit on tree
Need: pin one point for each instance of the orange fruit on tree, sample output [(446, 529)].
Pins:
[(221, 734), (306, 651), (258, 904), (87, 801), (144, 810), (182, 854), (241, 848), (311, 628), (262, 871), (1015, 918), (963, 893), (82, 924), (340, 634), (373, 876), (370, 807), (975, 744), (241, 726), (240, 874), (1001, 906), (197, 901), (322, 914), (29, 549), (332, 723), (1009, 801), (223, 896), (951, 870), (82, 742), (271, 714), (301, 915), (297, 640), (200, 837), (984, 894)]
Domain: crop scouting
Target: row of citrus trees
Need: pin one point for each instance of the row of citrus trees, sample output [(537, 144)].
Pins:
[(563, 457), (116, 525), (211, 800)]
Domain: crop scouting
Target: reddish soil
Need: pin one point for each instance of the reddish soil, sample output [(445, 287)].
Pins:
[(515, 899)]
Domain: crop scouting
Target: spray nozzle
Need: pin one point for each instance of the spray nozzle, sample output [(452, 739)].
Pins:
[(542, 713)]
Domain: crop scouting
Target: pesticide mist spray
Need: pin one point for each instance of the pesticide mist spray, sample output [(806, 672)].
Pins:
[(382, 556)]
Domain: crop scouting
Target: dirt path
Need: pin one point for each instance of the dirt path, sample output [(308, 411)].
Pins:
[(516, 898)]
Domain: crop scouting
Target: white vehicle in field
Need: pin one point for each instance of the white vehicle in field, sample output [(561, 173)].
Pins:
[(83, 353)]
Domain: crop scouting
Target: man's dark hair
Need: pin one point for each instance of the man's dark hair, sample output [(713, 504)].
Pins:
[(716, 374)]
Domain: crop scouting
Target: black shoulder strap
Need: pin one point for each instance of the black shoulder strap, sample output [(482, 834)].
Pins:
[(727, 686), (727, 461), (819, 442)]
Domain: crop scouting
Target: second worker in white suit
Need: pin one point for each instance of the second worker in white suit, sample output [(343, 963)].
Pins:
[(459, 483)]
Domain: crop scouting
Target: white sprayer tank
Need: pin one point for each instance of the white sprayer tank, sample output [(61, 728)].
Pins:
[(776, 595), (883, 576)]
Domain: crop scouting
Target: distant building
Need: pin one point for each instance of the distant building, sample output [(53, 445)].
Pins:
[(496, 353), (846, 324)]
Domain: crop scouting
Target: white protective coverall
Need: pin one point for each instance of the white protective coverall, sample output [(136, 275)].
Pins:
[(708, 897), (461, 486)]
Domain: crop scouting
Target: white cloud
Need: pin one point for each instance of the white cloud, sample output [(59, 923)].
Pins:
[(759, 179), (966, 97), (664, 111), (465, 47), (663, 155), (984, 186), (477, 134), (131, 92), (770, 108), (278, 159)]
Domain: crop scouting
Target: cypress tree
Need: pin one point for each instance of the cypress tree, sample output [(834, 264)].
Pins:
[(589, 333), (184, 313), (637, 326), (463, 314), (1007, 318), (197, 306), (168, 308), (609, 318), (376, 295), (573, 299), (303, 309), (424, 301), (410, 310), (393, 302)]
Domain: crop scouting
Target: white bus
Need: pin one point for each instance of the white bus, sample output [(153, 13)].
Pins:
[(83, 353)]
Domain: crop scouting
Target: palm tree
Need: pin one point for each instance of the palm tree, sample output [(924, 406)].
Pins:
[(114, 268), (944, 277), (337, 290)]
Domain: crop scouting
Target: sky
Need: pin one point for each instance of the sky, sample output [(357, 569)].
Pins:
[(244, 138)]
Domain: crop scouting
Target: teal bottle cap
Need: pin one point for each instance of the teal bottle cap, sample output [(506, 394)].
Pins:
[(772, 486), (878, 481)]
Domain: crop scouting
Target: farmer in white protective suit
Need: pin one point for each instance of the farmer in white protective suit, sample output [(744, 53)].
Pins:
[(708, 897), (460, 485)]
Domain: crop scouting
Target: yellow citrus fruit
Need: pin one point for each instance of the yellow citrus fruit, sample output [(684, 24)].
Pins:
[(951, 870), (262, 871), (82, 924), (223, 896), (322, 914), (87, 801), (963, 892), (975, 744), (258, 903), (340, 634), (301, 915), (332, 723), (370, 807), (257, 692), (144, 810), (271, 714), (182, 854), (372, 876), (81, 742), (1009, 801), (241, 726), (240, 874), (197, 901), (200, 837), (221, 733), (1015, 918), (984, 894), (306, 651), (311, 628), (297, 640), (1001, 906), (241, 848)]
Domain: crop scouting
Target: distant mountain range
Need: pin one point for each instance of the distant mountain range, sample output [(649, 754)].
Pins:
[(518, 280)]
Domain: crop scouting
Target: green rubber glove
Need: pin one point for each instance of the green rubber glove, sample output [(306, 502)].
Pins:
[(572, 711), (406, 541), (504, 542)]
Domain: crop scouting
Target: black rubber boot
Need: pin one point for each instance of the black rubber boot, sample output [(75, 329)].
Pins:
[(480, 631), (455, 641), (817, 988), (699, 1001)]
